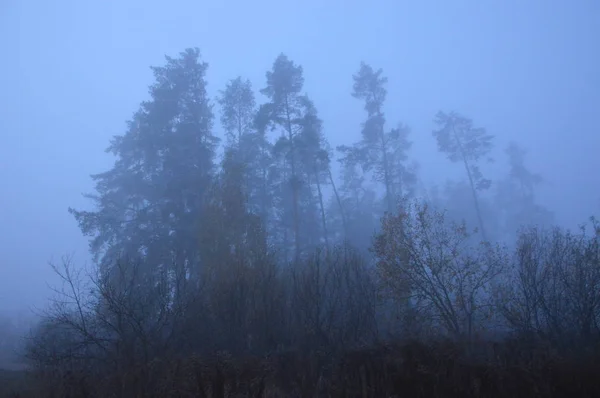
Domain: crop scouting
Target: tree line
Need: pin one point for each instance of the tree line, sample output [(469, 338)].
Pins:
[(265, 250), (277, 166)]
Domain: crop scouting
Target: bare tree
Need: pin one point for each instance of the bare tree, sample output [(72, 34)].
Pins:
[(427, 261), (105, 325), (334, 300), (553, 289)]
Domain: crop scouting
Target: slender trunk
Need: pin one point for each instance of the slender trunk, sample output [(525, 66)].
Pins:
[(386, 175), (472, 184), (339, 202), (294, 183), (284, 227), (475, 201), (239, 127), (263, 205), (323, 219)]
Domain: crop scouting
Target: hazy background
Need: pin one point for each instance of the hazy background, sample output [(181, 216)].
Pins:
[(72, 72)]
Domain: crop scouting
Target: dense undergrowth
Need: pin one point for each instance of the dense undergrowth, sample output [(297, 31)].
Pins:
[(428, 320), (408, 369)]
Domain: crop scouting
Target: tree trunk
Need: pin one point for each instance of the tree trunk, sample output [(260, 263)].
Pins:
[(472, 184), (295, 182), (339, 202), (323, 219)]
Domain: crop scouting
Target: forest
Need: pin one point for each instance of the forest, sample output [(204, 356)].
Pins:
[(266, 263)]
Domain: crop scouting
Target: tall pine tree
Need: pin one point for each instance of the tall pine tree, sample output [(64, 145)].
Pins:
[(247, 144), (286, 110), (148, 206), (463, 143), (384, 153)]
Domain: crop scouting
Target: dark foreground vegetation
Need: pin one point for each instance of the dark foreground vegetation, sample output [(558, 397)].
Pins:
[(243, 278), (411, 369), (334, 325)]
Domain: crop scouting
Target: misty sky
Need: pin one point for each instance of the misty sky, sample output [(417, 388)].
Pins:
[(73, 72)]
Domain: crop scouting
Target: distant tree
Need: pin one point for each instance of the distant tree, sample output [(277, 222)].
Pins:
[(230, 226), (11, 336), (149, 204), (234, 242), (456, 198), (379, 151), (248, 145), (461, 142), (515, 194), (356, 211), (262, 172), (313, 149), (287, 109), (237, 110), (338, 199)]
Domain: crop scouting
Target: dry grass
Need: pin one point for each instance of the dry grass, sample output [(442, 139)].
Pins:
[(404, 370)]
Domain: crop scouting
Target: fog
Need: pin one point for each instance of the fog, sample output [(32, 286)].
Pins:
[(74, 72)]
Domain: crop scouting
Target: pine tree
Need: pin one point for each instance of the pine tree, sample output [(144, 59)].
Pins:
[(461, 142), (286, 109), (515, 194), (248, 144), (314, 159), (356, 211), (234, 243), (148, 206), (383, 153), (237, 110)]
